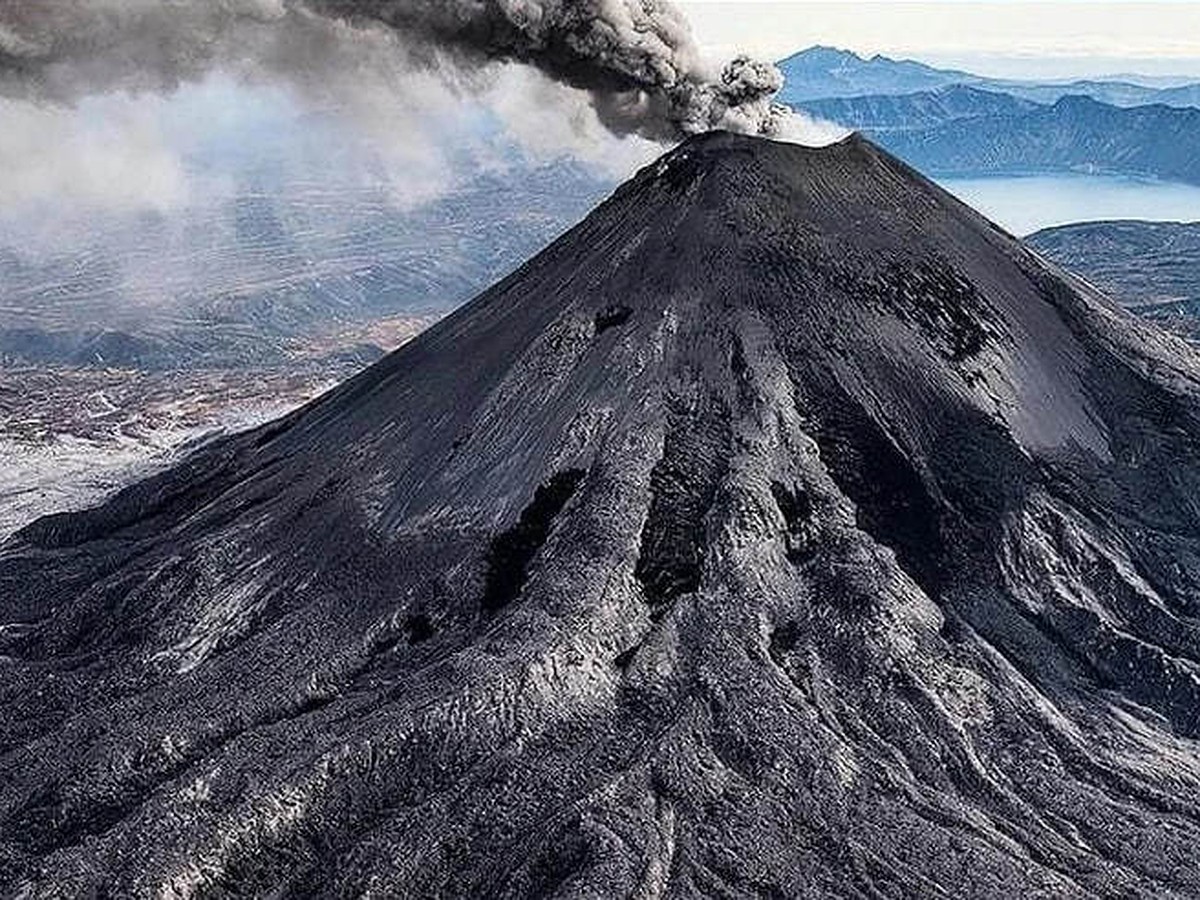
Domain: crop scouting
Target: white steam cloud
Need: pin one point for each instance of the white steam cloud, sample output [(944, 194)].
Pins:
[(122, 161)]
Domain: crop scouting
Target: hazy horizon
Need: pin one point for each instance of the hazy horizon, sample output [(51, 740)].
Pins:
[(1058, 39), (1153, 73)]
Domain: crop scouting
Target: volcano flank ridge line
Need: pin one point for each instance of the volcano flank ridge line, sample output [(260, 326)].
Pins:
[(783, 528)]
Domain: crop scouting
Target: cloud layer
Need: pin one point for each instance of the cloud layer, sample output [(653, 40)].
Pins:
[(635, 60)]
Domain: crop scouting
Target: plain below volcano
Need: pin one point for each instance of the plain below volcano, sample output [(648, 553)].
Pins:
[(784, 529)]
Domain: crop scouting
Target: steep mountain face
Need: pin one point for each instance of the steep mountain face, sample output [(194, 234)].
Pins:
[(1075, 134), (1151, 267), (783, 529)]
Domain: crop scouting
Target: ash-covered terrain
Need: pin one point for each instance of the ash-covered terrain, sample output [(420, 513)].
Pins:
[(1152, 268), (784, 529), (71, 435)]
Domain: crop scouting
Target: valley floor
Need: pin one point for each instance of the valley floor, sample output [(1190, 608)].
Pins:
[(71, 436)]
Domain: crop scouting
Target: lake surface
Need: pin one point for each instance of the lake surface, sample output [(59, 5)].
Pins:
[(1023, 204)]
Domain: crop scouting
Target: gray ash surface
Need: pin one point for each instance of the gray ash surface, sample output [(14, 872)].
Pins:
[(784, 529)]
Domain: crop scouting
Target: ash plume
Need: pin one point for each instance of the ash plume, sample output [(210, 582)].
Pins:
[(636, 59)]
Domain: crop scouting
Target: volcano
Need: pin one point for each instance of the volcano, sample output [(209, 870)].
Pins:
[(785, 529)]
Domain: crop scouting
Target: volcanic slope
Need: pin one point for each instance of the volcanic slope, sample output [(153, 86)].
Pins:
[(784, 529)]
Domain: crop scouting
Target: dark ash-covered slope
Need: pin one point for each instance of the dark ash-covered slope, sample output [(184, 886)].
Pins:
[(785, 529)]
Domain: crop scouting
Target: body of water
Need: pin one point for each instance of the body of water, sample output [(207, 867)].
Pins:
[(1025, 203)]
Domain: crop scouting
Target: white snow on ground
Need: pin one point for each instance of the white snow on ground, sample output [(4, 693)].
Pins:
[(71, 436), (77, 467)]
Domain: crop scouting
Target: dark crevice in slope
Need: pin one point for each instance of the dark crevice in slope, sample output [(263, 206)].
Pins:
[(782, 648), (683, 485), (46, 821), (511, 551), (611, 317), (743, 377), (418, 628), (797, 511), (552, 865), (795, 506), (893, 506), (783, 640), (624, 659)]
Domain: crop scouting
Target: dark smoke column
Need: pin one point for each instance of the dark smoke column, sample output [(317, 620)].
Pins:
[(637, 58)]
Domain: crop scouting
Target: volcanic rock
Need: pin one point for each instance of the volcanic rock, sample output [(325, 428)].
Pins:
[(785, 529)]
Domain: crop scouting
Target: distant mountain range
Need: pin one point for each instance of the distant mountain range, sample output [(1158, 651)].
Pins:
[(953, 123), (882, 113), (1151, 267), (1075, 134), (820, 73)]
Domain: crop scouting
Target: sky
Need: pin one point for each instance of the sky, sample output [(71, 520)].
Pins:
[(140, 152), (1011, 38)]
